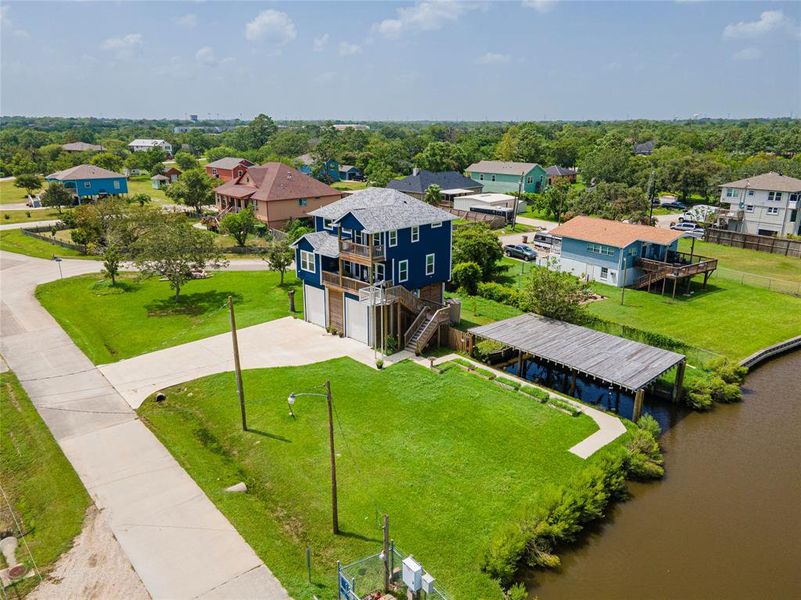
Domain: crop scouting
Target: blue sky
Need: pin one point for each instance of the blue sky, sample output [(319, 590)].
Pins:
[(531, 59)]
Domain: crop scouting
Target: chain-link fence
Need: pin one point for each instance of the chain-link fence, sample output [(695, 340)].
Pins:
[(777, 285), (364, 579)]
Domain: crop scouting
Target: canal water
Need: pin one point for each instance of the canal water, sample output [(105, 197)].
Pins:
[(725, 522)]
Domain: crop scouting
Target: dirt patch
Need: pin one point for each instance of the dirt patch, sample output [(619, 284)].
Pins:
[(95, 567)]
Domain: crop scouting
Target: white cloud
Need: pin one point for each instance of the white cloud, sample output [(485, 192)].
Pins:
[(124, 46), (426, 15), (321, 42), (348, 49), (272, 26), (189, 20), (542, 6), (326, 77), (748, 54), (208, 58), (493, 58), (5, 21), (769, 20)]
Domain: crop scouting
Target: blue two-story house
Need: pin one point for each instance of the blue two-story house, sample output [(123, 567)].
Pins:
[(90, 182), (375, 268), (626, 254)]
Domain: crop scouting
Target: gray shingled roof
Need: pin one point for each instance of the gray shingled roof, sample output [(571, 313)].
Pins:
[(383, 209), (446, 180), (83, 172), (771, 182), (322, 242), (623, 362), (557, 171), (227, 162), (501, 167)]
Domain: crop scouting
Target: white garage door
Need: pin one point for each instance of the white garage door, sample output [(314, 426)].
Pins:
[(314, 305), (356, 322)]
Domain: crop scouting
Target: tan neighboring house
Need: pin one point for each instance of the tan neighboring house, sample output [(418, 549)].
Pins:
[(82, 147), (277, 193), (767, 204)]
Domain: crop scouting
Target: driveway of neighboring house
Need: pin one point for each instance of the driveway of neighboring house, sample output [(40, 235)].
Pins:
[(48, 223), (180, 545), (283, 342)]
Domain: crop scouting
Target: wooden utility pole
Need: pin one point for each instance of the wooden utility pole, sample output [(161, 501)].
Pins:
[(334, 513), (237, 367), (386, 553)]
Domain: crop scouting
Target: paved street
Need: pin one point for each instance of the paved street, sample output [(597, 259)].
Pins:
[(180, 545)]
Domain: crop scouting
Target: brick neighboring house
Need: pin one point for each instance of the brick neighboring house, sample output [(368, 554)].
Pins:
[(767, 204), (557, 173), (228, 168), (277, 193)]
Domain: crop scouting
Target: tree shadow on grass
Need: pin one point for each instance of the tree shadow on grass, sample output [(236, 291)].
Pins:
[(272, 436), (358, 536), (193, 305)]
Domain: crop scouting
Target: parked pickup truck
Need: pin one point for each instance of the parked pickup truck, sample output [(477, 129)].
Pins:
[(690, 229), (520, 251)]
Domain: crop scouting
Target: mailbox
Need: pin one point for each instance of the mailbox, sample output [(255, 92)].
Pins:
[(412, 574)]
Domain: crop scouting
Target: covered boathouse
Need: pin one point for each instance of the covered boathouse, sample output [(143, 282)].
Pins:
[(625, 364)]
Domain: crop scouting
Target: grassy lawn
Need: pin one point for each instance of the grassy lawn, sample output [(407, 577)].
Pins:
[(514, 271), (140, 184), (27, 216), (728, 318), (533, 213), (11, 194), (480, 311), (518, 228), (349, 185), (138, 316), (758, 264), (13, 240), (40, 483), (449, 457)]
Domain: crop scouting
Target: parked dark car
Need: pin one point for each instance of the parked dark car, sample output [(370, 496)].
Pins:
[(675, 205), (520, 251)]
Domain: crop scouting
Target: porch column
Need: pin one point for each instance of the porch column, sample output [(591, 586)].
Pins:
[(638, 398), (573, 384), (520, 363), (679, 380)]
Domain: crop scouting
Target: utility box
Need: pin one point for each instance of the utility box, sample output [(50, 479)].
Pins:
[(412, 574), (428, 583)]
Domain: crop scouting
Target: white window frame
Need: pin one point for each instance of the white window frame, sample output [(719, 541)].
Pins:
[(214, 172), (774, 196), (303, 202), (604, 275), (306, 260), (433, 265), (481, 176), (415, 234), (403, 271), (328, 224), (732, 192), (601, 249), (493, 177), (529, 179), (392, 238), (379, 274), (116, 184), (773, 210), (437, 224), (749, 208)]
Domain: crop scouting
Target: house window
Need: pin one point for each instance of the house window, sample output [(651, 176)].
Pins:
[(393, 238), (87, 184), (794, 197), (437, 224), (302, 202), (239, 173), (750, 192), (307, 261), (773, 210), (214, 172), (379, 272), (403, 271), (328, 224), (731, 193), (793, 216), (493, 177), (529, 179), (116, 184), (604, 272), (358, 236), (481, 176), (600, 249), (430, 264), (774, 196), (749, 208), (415, 234)]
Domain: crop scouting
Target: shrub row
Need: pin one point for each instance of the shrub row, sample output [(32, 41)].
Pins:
[(722, 386), (556, 515)]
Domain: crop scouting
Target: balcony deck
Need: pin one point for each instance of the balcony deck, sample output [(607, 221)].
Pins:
[(679, 265), (361, 253)]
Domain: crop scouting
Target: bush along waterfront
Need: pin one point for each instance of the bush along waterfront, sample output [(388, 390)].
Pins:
[(558, 514)]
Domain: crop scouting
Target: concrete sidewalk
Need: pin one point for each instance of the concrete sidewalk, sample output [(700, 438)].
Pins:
[(609, 427), (279, 343), (180, 545)]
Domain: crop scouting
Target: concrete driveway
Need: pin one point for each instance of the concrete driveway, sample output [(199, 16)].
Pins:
[(283, 342), (178, 543)]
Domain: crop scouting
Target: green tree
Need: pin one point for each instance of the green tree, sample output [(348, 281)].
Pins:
[(441, 156), (477, 243), (239, 225), (524, 142), (218, 152), (107, 160), (175, 250), (433, 195), (289, 142), (295, 229), (141, 198), (551, 293), (466, 276), (256, 133), (28, 182), (56, 195), (379, 173), (195, 188), (554, 200), (151, 159), (279, 256), (615, 201), (609, 161), (186, 161), (112, 258)]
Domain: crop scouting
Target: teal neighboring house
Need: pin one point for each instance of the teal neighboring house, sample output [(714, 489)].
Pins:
[(328, 173), (89, 182), (508, 177)]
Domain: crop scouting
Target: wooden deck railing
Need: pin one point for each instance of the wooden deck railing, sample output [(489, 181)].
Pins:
[(346, 283), (363, 250)]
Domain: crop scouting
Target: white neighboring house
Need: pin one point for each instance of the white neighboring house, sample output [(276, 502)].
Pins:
[(142, 145), (767, 204)]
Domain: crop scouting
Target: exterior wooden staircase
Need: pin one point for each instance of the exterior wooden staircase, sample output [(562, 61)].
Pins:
[(424, 327)]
